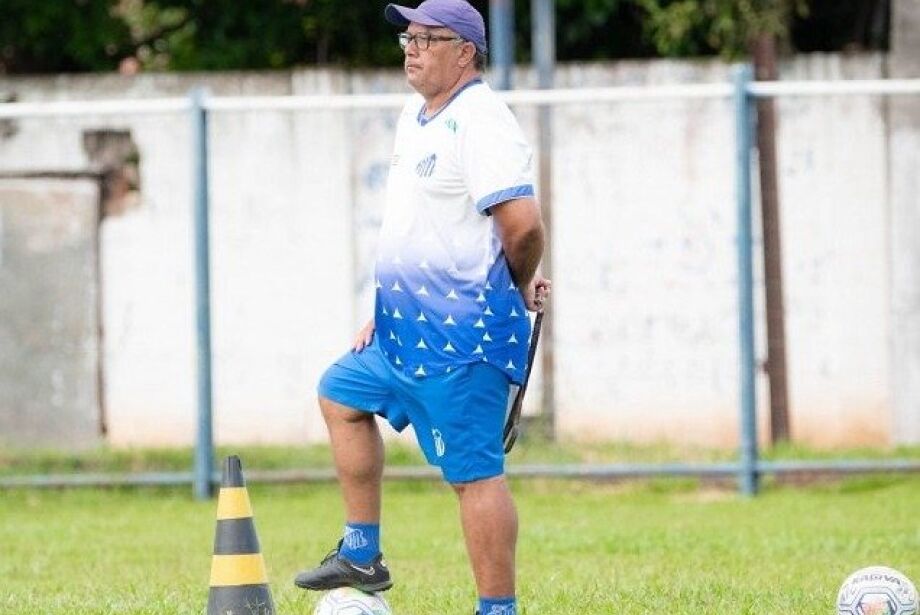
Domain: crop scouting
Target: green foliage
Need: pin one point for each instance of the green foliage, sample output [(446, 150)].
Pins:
[(193, 34), (698, 27), (227, 34), (99, 35), (60, 36)]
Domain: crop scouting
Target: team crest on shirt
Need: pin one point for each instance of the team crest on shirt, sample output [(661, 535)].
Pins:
[(451, 124), (426, 165)]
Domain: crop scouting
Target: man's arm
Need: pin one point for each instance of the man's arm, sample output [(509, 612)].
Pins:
[(520, 229)]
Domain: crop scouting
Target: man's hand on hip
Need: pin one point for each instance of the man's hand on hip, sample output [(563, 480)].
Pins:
[(364, 337), (537, 292)]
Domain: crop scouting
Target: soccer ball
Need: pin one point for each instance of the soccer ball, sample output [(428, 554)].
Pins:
[(350, 601), (877, 590)]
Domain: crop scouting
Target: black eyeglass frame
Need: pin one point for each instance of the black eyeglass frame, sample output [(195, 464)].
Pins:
[(405, 39)]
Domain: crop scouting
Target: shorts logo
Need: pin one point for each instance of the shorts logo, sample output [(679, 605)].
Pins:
[(498, 609), (425, 167), (439, 446)]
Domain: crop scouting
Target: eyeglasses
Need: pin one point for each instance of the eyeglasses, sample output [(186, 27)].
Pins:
[(422, 40)]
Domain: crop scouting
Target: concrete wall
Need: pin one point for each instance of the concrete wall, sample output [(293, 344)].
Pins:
[(904, 153), (49, 325), (644, 232)]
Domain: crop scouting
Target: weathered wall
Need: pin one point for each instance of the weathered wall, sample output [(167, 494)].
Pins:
[(904, 154), (49, 325), (645, 289)]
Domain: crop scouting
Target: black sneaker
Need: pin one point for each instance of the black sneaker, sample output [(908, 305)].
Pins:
[(337, 571)]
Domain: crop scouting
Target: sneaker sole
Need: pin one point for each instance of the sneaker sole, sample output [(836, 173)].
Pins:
[(365, 587)]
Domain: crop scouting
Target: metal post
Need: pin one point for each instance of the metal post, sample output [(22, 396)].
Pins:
[(543, 37), (748, 479), (204, 449), (543, 41), (501, 44)]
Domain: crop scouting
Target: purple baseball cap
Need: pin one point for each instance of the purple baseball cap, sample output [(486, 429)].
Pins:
[(458, 15)]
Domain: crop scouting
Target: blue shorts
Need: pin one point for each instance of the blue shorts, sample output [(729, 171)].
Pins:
[(457, 417)]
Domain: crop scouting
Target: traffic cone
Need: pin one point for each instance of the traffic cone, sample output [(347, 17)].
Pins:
[(239, 583)]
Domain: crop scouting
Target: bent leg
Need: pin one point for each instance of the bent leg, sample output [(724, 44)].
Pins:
[(490, 527), (357, 450)]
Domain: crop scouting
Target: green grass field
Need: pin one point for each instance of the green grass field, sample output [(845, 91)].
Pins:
[(662, 546)]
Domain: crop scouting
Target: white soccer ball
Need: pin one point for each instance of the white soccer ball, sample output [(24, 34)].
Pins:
[(877, 590), (350, 601)]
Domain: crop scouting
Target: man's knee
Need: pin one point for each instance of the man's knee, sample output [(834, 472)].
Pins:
[(478, 485)]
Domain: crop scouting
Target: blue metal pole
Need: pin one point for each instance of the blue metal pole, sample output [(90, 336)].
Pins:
[(501, 43), (748, 479), (204, 449), (543, 46), (543, 41)]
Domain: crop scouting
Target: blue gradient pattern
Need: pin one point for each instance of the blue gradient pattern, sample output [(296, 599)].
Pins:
[(429, 322)]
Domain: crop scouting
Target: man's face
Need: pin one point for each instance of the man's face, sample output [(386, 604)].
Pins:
[(435, 69)]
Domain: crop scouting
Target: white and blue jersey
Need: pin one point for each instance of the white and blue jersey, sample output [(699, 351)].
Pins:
[(445, 296)]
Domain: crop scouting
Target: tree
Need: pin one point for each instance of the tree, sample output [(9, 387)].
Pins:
[(44, 36), (737, 28), (79, 35), (726, 27)]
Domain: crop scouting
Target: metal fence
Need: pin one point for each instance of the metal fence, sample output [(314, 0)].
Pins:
[(743, 93)]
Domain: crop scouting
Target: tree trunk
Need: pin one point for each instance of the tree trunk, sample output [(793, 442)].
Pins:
[(764, 54)]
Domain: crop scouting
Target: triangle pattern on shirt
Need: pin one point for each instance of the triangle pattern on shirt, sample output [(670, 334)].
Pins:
[(452, 294), (510, 365), (423, 264), (396, 313), (396, 287), (488, 286), (449, 320), (377, 284), (481, 298), (478, 349), (420, 371), (513, 339), (421, 344), (392, 335), (480, 324), (487, 337), (514, 312), (449, 348), (422, 292), (488, 311), (398, 362), (421, 317)]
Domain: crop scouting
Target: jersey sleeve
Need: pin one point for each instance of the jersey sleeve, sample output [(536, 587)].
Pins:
[(496, 160)]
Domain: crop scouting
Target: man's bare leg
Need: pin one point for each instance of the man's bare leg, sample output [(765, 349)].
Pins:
[(357, 450), (490, 526)]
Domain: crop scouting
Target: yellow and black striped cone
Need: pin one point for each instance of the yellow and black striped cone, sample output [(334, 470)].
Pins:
[(239, 583)]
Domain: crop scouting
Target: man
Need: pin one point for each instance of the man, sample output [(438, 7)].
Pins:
[(460, 243)]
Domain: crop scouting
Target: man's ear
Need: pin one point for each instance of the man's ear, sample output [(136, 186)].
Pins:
[(467, 55)]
